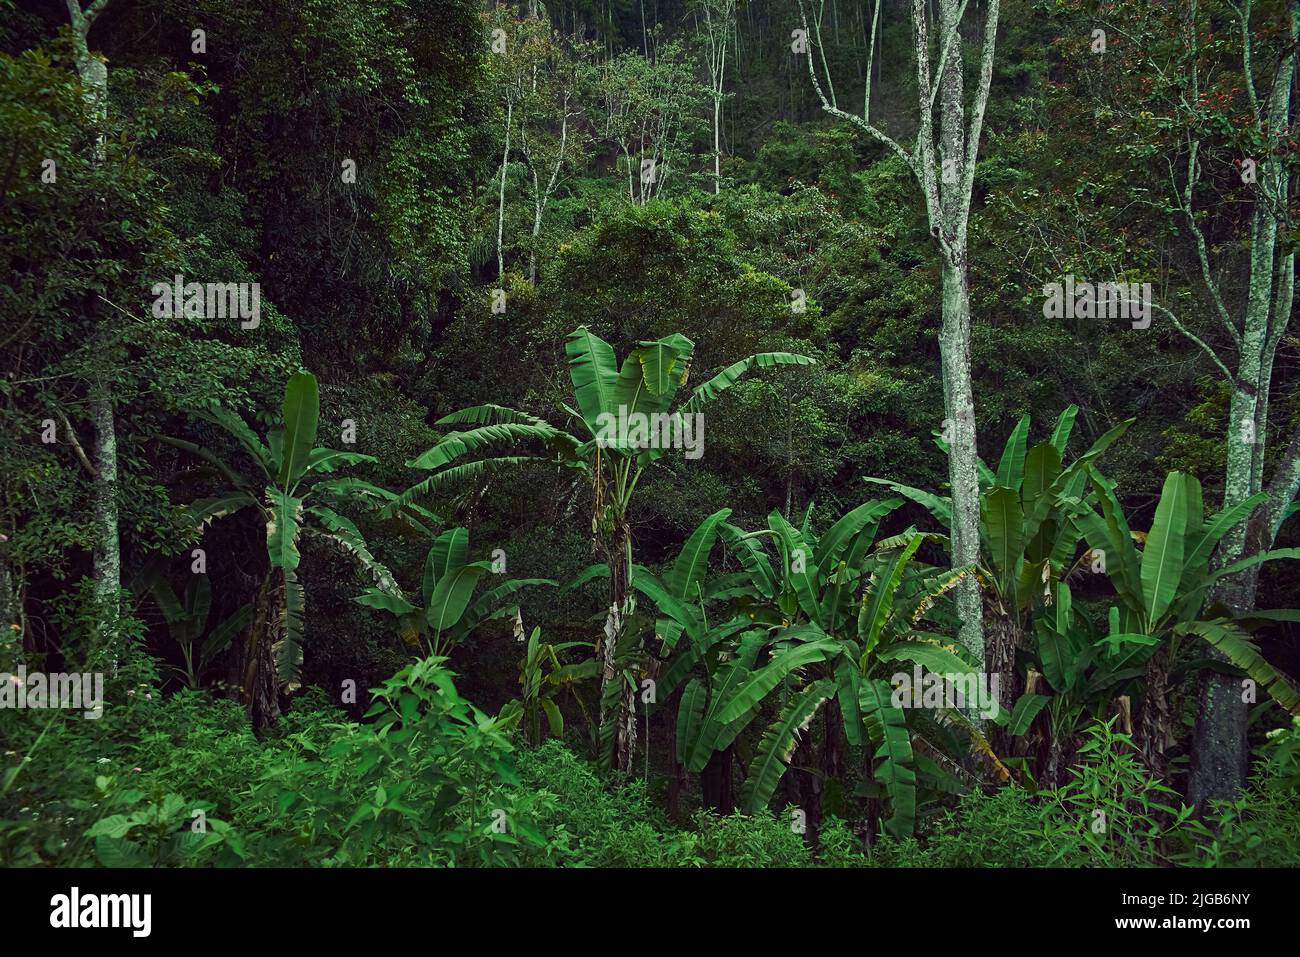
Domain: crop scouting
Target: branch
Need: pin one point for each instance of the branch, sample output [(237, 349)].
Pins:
[(72, 435), (946, 44), (857, 121), (981, 101), (1283, 488), (1184, 201), (1200, 342), (1243, 14)]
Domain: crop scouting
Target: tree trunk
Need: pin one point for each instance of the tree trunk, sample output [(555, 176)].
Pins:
[(1155, 722), (107, 555), (1219, 764), (1004, 635), (258, 691), (104, 517), (501, 192), (618, 750), (963, 458), (715, 781)]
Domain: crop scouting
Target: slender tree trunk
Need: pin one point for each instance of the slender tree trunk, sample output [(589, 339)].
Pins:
[(501, 192), (715, 781), (258, 690), (717, 145), (106, 551), (963, 458), (1219, 759), (619, 749), (104, 516)]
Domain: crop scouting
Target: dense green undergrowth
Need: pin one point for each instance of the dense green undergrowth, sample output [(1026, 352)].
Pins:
[(432, 780)]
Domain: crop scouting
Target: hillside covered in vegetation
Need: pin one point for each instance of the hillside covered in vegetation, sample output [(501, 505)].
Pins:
[(649, 433)]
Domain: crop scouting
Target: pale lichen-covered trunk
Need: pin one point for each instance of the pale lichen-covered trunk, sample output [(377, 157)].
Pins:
[(1219, 758), (963, 468), (104, 516), (501, 191), (944, 168), (951, 168), (107, 555)]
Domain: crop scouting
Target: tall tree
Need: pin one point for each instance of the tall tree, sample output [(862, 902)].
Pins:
[(1213, 117), (942, 161), (107, 547), (1219, 744), (717, 19)]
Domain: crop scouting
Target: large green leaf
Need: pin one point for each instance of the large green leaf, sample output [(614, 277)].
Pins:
[(1011, 468), (344, 535), (847, 681), (756, 686), (489, 414), (320, 461), (469, 470), (715, 734), (879, 600), (490, 602), (727, 377), (1064, 426), (665, 363), (887, 728), (930, 656), (1201, 545), (778, 743), (690, 717), (393, 604), (1042, 467), (1237, 647), (282, 525), (455, 444), (693, 560), (301, 412), (206, 510), (1123, 564), (1024, 712), (800, 569), (450, 550), (237, 427), (752, 558), (1004, 523), (593, 369), (220, 637), (452, 594), (287, 649), (939, 506), (1162, 558), (838, 535)]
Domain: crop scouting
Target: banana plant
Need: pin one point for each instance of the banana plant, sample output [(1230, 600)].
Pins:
[(817, 627), (1027, 534), (293, 497), (449, 612), (187, 621), (542, 677), (1162, 589), (1075, 677), (608, 452)]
